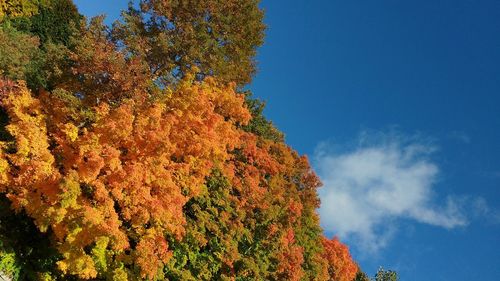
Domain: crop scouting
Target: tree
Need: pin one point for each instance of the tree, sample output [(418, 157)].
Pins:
[(18, 53), (37, 37), (64, 186), (101, 72), (132, 153), (361, 276), (18, 8), (386, 275), (341, 267), (53, 21), (121, 196), (56, 21), (219, 38), (259, 125), (24, 251)]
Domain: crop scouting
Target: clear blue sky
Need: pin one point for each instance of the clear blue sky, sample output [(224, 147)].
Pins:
[(397, 97)]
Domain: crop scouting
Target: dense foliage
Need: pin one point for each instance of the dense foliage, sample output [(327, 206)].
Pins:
[(341, 267), (35, 40), (218, 37), (131, 152), (16, 8)]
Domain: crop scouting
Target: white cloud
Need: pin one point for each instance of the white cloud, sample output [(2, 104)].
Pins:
[(369, 188)]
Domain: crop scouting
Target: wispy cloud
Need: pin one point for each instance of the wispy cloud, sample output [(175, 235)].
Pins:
[(368, 188), (460, 136)]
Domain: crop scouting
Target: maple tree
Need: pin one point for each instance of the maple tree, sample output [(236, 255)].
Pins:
[(128, 195), (124, 161), (341, 267), (132, 153)]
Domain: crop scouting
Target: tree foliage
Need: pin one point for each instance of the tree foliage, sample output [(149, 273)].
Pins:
[(36, 42), (136, 191), (57, 21), (218, 37), (131, 153), (18, 53), (24, 251), (18, 8), (259, 125), (121, 171), (341, 267), (386, 275), (361, 276)]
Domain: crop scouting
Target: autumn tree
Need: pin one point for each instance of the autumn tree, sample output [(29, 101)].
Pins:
[(18, 8), (18, 53), (259, 125), (219, 38), (341, 267), (136, 228), (131, 152)]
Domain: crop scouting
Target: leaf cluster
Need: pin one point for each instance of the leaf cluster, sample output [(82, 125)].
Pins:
[(218, 38), (36, 38)]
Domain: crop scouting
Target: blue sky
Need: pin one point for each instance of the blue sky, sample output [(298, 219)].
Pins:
[(397, 103)]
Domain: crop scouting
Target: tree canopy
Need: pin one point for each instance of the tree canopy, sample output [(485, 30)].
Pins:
[(219, 38), (131, 152)]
